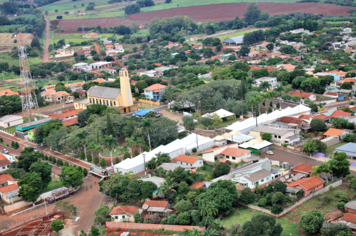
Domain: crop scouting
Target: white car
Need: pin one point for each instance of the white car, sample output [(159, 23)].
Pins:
[(5, 151), (69, 101)]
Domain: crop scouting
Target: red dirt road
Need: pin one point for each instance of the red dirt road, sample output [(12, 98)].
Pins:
[(97, 48), (45, 50), (228, 11)]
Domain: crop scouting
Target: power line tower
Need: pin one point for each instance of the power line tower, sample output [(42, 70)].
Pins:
[(29, 100)]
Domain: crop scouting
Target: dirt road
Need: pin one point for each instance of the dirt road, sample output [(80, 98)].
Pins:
[(97, 48), (45, 50)]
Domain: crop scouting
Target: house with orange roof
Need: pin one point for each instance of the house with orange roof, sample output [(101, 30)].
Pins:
[(87, 54), (6, 180), (75, 86), (56, 97), (188, 161), (66, 115), (230, 153), (193, 38), (302, 168), (350, 80), (308, 184), (287, 67), (8, 92), (69, 122), (303, 95), (49, 87), (332, 132), (161, 208), (10, 193), (4, 163), (270, 69), (99, 80), (253, 54), (154, 91), (340, 114), (124, 213), (254, 67)]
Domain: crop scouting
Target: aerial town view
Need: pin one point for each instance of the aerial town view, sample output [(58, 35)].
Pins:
[(178, 117)]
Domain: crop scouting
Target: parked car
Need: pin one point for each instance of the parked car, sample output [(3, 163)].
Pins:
[(159, 115), (5, 151), (69, 101), (269, 152)]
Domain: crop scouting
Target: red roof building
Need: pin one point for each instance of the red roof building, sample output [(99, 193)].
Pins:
[(152, 203), (308, 184), (187, 160), (155, 87), (70, 122), (302, 168), (8, 92), (4, 178), (121, 210), (4, 163), (297, 93), (340, 114)]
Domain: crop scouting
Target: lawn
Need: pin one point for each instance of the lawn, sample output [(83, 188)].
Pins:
[(244, 214), (114, 12), (69, 4), (11, 129), (76, 37), (223, 37), (53, 185), (330, 150), (115, 153)]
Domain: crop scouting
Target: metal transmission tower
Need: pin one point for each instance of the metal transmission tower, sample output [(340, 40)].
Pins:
[(29, 100)]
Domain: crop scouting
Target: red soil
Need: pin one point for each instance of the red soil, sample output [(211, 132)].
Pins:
[(228, 11)]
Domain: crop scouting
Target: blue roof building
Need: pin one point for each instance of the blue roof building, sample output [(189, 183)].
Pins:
[(349, 149), (143, 112), (234, 41)]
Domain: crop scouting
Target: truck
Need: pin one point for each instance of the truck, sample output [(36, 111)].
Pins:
[(61, 193), (99, 171)]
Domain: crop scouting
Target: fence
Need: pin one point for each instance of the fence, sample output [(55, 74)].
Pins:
[(304, 199), (140, 226), (149, 102), (319, 154)]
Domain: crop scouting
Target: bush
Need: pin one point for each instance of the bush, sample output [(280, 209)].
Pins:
[(262, 202), (247, 196), (81, 155), (194, 150), (89, 158), (146, 148), (278, 198), (126, 155), (117, 160), (267, 136), (183, 206), (300, 194), (221, 169), (352, 103), (136, 153), (344, 198), (96, 160), (340, 206), (85, 172), (102, 163), (66, 164), (276, 209), (311, 222)]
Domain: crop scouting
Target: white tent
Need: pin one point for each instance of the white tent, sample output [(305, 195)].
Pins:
[(247, 125), (221, 113)]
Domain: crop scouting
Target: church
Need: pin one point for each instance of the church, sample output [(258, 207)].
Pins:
[(121, 98)]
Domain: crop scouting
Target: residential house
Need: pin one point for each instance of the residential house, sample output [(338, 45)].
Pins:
[(347, 92), (154, 91), (188, 161), (5, 180), (338, 96), (287, 67), (161, 208), (230, 152), (340, 114), (4, 163), (49, 87), (66, 115), (124, 213), (349, 149), (350, 207), (150, 73), (10, 120), (352, 120), (253, 54), (336, 133), (308, 184), (291, 122), (10, 193), (56, 97), (75, 86), (279, 135), (8, 92), (302, 169), (87, 54), (92, 36), (99, 80), (193, 38), (109, 47), (271, 80), (303, 95), (70, 122), (172, 166)]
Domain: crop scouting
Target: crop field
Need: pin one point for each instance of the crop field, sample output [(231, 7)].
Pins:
[(221, 12), (91, 15), (69, 4), (226, 36), (7, 42)]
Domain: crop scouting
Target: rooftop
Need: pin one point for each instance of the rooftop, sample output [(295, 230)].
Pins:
[(297, 93), (303, 168), (272, 130), (120, 210), (70, 121), (9, 188), (104, 92), (258, 175), (339, 114), (235, 152), (349, 217), (8, 92), (4, 178), (334, 132), (186, 159), (308, 183), (349, 147), (151, 203), (155, 87)]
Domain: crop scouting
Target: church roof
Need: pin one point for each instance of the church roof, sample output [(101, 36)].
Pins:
[(104, 92)]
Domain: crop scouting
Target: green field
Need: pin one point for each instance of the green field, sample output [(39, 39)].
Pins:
[(243, 214), (337, 22), (69, 4), (75, 37), (51, 186), (115, 12), (222, 38)]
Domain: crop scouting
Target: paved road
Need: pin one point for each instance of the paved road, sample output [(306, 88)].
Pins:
[(6, 82), (45, 50)]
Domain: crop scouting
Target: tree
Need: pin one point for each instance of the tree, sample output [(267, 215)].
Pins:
[(346, 85), (340, 166), (310, 147), (262, 225), (221, 169), (59, 17), (31, 187), (267, 136), (130, 142), (35, 43), (331, 229), (132, 9), (85, 172), (71, 176), (100, 214), (110, 143), (183, 206), (102, 162), (94, 231), (276, 209), (146, 126), (323, 168), (27, 158), (96, 160), (278, 198), (311, 222), (247, 196), (57, 225), (147, 188), (277, 186), (244, 51), (45, 171), (252, 14), (137, 217), (317, 125), (270, 46), (184, 218)]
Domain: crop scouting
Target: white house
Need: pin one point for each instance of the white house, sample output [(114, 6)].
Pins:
[(124, 213), (119, 47), (10, 120), (280, 135), (230, 153), (188, 161), (5, 161), (271, 80)]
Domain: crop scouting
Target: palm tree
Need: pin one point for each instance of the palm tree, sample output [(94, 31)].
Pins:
[(82, 134), (265, 86), (130, 142), (146, 125), (251, 102), (167, 187), (98, 149), (209, 209), (140, 142), (110, 143), (279, 89), (323, 168)]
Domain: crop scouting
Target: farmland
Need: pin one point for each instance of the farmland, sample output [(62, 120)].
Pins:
[(7, 41), (223, 37)]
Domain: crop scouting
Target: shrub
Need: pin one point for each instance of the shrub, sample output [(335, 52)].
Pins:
[(276, 209), (89, 158), (66, 163), (262, 202), (311, 222), (221, 169), (340, 206), (278, 198), (126, 155), (247, 196), (102, 163), (81, 155), (136, 153), (300, 194), (352, 103), (344, 198), (194, 150), (96, 160), (117, 160), (183, 206), (146, 148), (85, 172)]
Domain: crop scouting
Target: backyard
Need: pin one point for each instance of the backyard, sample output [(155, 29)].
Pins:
[(243, 214), (330, 150)]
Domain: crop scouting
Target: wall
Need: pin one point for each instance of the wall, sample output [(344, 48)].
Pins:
[(178, 228), (331, 142), (300, 202), (16, 206), (149, 102)]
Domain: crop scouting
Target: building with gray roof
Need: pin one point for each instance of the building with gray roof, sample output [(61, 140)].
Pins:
[(104, 92), (234, 41), (349, 149)]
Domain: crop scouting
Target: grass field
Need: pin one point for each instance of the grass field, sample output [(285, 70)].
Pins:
[(75, 37), (69, 4), (244, 214), (115, 12), (106, 153), (330, 150), (7, 41), (11, 129), (222, 38), (53, 185)]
